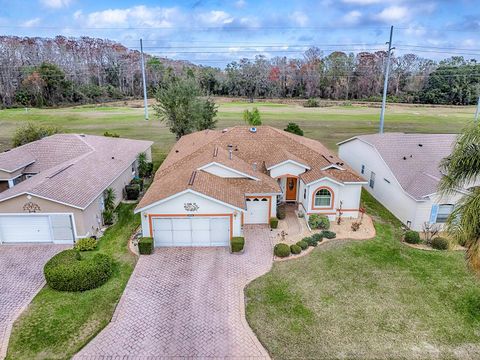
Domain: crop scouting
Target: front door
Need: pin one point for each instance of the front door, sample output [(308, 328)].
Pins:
[(291, 193)]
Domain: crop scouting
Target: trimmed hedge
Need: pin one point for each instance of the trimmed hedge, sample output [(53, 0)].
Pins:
[(281, 212), (273, 223), (303, 244), (412, 237), (237, 243), (310, 241), (281, 250), (70, 271), (86, 244), (317, 221), (145, 245), (318, 237), (329, 234), (295, 249), (440, 243)]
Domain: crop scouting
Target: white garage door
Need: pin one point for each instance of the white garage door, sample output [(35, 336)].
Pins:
[(36, 228), (257, 211), (194, 231)]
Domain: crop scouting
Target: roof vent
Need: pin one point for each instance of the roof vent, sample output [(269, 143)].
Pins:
[(192, 178), (253, 130), (82, 135), (215, 151), (420, 145), (224, 130), (113, 157), (404, 158)]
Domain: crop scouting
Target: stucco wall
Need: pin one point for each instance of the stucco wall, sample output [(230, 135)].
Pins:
[(176, 206), (6, 175), (286, 169), (424, 209), (221, 171)]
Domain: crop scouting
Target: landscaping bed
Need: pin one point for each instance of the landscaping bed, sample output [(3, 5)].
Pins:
[(57, 324), (373, 299)]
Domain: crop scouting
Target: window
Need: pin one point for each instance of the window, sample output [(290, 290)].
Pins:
[(444, 211), (372, 180), (304, 193), (363, 169), (323, 198)]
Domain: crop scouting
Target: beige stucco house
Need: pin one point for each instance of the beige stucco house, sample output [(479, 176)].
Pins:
[(52, 190)]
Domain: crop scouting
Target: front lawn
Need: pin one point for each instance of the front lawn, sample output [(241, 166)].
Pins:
[(57, 324), (373, 299)]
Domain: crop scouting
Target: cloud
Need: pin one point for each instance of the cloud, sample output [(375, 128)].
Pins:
[(32, 22), (299, 18), (240, 4), (215, 18), (352, 18), (363, 2), (393, 13), (56, 4)]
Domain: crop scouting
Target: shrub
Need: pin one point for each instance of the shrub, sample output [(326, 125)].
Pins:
[(237, 243), (311, 103), (145, 245), (329, 234), (132, 191), (295, 249), (253, 117), (355, 226), (440, 243), (138, 181), (318, 237), (281, 212), (273, 223), (310, 241), (317, 221), (281, 250), (31, 132), (149, 169), (70, 271), (86, 244), (412, 237), (107, 217), (294, 129), (303, 244)]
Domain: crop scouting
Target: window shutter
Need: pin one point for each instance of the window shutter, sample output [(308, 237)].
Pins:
[(433, 214)]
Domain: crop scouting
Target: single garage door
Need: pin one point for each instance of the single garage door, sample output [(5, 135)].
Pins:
[(36, 228), (193, 231), (257, 210)]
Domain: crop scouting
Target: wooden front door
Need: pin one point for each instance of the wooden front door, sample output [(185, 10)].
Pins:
[(291, 192)]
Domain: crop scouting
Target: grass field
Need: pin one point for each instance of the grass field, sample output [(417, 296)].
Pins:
[(327, 124), (374, 299)]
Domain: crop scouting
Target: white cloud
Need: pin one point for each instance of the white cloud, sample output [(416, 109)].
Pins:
[(299, 18), (352, 17), (240, 4), (393, 14), (56, 4), (215, 17), (363, 2), (32, 22)]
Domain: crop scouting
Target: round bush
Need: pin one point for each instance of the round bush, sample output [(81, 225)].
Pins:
[(71, 271), (318, 237), (440, 243), (295, 249), (303, 244), (316, 221), (412, 237), (310, 241), (86, 244), (281, 250), (281, 212), (329, 234)]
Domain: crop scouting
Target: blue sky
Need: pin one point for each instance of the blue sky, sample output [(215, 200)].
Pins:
[(217, 32)]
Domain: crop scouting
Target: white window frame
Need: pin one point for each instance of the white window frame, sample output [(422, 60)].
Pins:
[(322, 197), (371, 182), (443, 216)]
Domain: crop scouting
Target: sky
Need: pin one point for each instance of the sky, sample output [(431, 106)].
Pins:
[(215, 33)]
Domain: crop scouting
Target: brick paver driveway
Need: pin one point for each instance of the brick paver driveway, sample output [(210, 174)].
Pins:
[(21, 271), (187, 302)]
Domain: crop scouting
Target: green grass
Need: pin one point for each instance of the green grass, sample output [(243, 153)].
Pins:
[(57, 324), (373, 299)]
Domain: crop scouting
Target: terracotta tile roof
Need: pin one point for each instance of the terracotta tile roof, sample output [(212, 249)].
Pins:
[(252, 153), (78, 175), (415, 167)]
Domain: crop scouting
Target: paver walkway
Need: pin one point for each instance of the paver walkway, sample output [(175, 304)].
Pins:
[(187, 302), (21, 269)]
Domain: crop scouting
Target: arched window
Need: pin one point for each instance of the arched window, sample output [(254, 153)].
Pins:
[(323, 198)]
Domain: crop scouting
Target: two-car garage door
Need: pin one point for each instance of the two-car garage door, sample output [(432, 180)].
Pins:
[(191, 231), (36, 228)]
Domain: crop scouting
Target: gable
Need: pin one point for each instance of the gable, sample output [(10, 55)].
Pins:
[(224, 171), (287, 168)]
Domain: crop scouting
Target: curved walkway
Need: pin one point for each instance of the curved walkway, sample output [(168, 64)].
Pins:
[(187, 302)]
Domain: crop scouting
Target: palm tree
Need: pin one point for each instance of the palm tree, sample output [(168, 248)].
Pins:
[(462, 170)]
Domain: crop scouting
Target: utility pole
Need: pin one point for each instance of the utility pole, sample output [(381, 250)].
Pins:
[(478, 110), (385, 83), (145, 102)]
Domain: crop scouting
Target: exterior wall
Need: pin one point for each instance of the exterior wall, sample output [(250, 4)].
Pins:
[(176, 206), (6, 175), (424, 209), (357, 153), (221, 172), (287, 169)]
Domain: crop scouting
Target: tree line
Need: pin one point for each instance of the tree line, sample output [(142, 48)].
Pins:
[(52, 72)]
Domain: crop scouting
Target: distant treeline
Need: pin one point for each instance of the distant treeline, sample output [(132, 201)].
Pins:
[(52, 72)]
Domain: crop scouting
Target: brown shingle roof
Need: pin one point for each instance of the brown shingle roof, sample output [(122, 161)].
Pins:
[(267, 146), (77, 175)]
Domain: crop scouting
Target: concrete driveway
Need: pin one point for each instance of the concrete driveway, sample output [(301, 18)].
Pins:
[(21, 272), (187, 302)]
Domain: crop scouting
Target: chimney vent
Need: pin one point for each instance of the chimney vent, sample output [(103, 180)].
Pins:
[(230, 150), (254, 166)]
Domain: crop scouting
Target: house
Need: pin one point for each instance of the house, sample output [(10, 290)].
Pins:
[(403, 172), (53, 188), (214, 182)]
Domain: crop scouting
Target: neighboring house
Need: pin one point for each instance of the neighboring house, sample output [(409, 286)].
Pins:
[(403, 173), (214, 182), (53, 189)]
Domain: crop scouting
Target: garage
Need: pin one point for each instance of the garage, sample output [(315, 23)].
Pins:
[(257, 210), (191, 231), (33, 228)]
